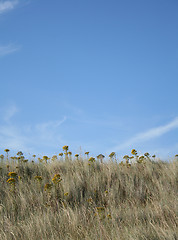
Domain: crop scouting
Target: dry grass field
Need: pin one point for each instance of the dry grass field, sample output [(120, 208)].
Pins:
[(80, 197)]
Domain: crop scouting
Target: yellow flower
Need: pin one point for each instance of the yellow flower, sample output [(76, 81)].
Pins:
[(40, 160), (25, 160), (86, 153), (11, 180), (100, 212), (109, 216), (45, 158), (147, 154), (57, 175), (100, 156), (61, 154), (112, 154), (77, 155), (54, 158), (134, 152), (38, 178), (106, 192), (20, 153), (100, 209), (19, 177), (90, 200), (48, 187), (91, 159), (57, 178), (65, 148), (175, 155), (12, 174), (66, 194), (6, 150)]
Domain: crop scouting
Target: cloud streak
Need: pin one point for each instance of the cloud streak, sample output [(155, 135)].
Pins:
[(8, 49), (29, 138), (7, 5), (148, 135), (10, 112)]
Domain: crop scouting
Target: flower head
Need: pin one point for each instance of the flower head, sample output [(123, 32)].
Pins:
[(65, 148), (91, 159), (12, 174), (40, 160), (134, 152), (90, 200), (6, 150), (147, 154), (126, 157), (48, 187), (11, 181), (112, 154), (38, 178), (45, 158), (20, 153), (100, 156), (25, 160), (54, 158), (100, 209), (57, 178)]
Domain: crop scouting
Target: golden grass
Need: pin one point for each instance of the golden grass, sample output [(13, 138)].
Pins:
[(51, 200)]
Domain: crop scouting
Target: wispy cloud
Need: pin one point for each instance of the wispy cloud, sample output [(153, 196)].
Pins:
[(29, 138), (42, 127), (7, 5), (10, 112), (8, 49), (148, 135)]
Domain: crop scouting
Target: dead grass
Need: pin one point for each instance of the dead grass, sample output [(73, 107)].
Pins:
[(104, 201)]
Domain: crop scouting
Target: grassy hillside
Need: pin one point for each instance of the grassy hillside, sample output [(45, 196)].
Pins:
[(67, 197)]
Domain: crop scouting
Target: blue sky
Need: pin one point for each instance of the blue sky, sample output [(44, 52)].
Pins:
[(96, 75)]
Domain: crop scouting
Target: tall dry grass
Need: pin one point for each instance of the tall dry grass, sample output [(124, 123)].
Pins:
[(105, 201)]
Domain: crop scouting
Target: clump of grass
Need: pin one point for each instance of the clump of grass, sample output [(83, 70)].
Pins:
[(81, 198)]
